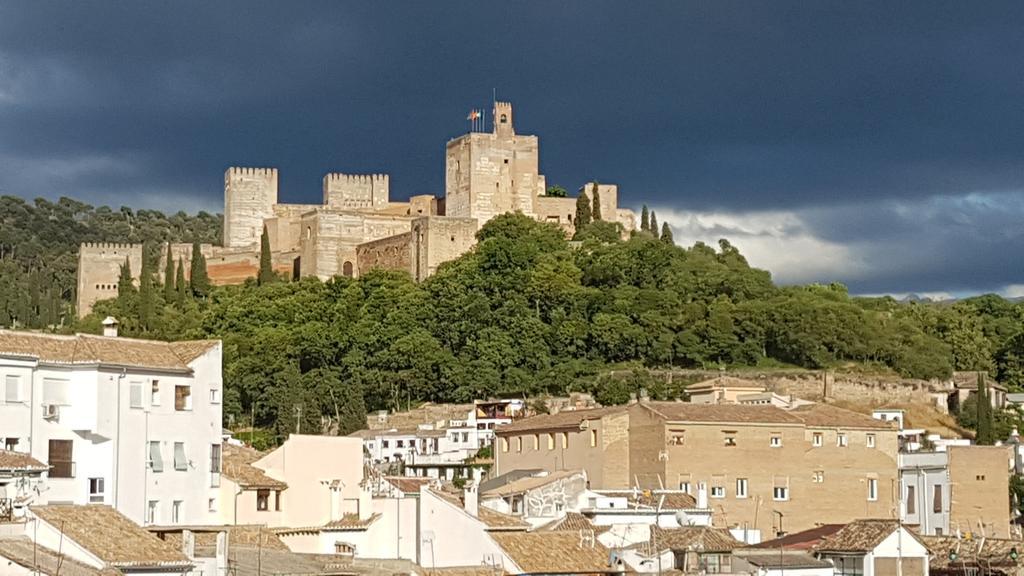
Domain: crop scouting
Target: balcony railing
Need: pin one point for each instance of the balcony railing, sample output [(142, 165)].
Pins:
[(60, 469)]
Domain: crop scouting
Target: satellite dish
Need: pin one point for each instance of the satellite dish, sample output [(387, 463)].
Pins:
[(683, 519)]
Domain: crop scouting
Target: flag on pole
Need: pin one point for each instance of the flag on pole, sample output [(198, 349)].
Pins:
[(474, 118)]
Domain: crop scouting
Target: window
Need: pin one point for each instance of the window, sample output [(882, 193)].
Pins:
[(400, 444), (277, 500), (176, 511), (61, 463), (383, 443), (741, 487), (872, 489), (135, 395), (156, 461), (152, 512), (536, 441), (841, 440), (780, 493), (593, 438), (56, 392), (848, 565), (10, 444), (12, 389), (465, 436), (684, 485), (96, 490), (344, 548), (980, 477), (816, 440), (730, 440), (717, 490), (911, 500), (180, 461), (551, 441), (154, 393), (565, 439), (937, 498), (775, 441), (214, 396), (716, 563), (519, 443), (818, 477), (215, 458), (262, 500), (504, 444), (182, 398), (211, 504), (677, 437), (870, 440)]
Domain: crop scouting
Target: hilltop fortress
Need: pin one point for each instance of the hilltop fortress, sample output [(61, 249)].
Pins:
[(358, 227)]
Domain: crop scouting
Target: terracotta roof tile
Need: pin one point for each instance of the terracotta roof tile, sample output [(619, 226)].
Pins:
[(823, 415), (989, 552), (351, 522), (572, 522), (804, 540), (409, 484), (21, 551), (89, 349), (237, 467), (674, 499), (20, 462), (773, 560), (531, 483), (726, 413), (110, 536), (252, 535), (859, 536), (492, 519), (567, 419), (553, 552), (703, 537)]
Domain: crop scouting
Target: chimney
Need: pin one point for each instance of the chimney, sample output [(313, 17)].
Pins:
[(188, 544), (110, 327), (702, 496), (471, 497), (365, 501)]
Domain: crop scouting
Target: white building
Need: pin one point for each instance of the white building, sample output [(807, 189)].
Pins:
[(135, 424)]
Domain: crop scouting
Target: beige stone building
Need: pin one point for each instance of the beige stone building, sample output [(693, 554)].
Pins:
[(979, 488), (759, 464), (358, 227)]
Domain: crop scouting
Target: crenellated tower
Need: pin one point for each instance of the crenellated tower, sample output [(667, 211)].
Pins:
[(249, 198), (351, 191)]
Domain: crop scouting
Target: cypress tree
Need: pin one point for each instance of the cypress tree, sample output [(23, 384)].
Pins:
[(583, 212), (666, 234), (985, 434), (124, 281), (147, 305), (645, 220), (169, 276), (654, 224), (199, 279), (596, 201), (179, 284), (266, 275)]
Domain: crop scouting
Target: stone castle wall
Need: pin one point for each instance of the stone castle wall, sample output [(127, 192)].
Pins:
[(356, 191), (250, 195), (99, 267), (436, 240), (391, 253)]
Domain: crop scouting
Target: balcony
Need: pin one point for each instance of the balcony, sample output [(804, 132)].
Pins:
[(62, 469)]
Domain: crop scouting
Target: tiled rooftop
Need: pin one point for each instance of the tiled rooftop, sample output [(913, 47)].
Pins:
[(20, 462), (554, 552), (87, 349), (859, 536), (237, 466)]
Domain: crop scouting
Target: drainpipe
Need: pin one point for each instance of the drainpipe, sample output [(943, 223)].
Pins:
[(117, 444)]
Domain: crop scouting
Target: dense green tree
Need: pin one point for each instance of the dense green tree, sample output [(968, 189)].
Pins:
[(125, 283), (654, 224), (645, 220), (666, 234), (169, 286), (180, 288), (595, 200), (984, 433), (583, 212), (147, 293), (1009, 361), (199, 278), (266, 273), (555, 191)]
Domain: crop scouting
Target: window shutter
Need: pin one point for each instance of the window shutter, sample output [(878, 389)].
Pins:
[(135, 395), (180, 461), (11, 385), (155, 459)]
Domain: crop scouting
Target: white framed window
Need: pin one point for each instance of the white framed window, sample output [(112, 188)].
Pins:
[(818, 476), (872, 489), (816, 440), (211, 505), (841, 440), (96, 490), (154, 393), (176, 510), (12, 389), (182, 398), (685, 486), (504, 444), (180, 460), (153, 512), (775, 441), (741, 487), (214, 396), (156, 460), (717, 491), (870, 440), (780, 493), (10, 444), (135, 395)]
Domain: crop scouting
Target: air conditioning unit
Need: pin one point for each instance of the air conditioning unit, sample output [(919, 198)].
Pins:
[(51, 411)]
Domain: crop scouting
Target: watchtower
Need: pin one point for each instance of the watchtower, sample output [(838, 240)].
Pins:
[(249, 198)]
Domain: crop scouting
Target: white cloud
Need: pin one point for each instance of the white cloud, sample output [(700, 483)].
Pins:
[(1013, 291), (778, 241)]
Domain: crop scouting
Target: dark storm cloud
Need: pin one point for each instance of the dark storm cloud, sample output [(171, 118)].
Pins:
[(842, 113)]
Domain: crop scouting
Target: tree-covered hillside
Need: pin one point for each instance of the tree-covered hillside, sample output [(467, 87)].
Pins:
[(526, 313), (39, 250)]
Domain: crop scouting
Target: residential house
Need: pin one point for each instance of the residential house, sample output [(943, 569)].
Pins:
[(979, 487), (135, 424), (725, 390), (555, 553), (761, 466), (247, 494), (455, 531), (688, 549), (20, 481), (965, 385), (764, 562), (539, 499), (875, 547), (19, 556), (635, 508)]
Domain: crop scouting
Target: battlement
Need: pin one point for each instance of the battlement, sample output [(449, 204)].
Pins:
[(356, 191), (343, 179), (503, 119), (239, 172), (93, 246)]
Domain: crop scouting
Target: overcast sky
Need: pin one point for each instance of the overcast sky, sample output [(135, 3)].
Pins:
[(880, 144)]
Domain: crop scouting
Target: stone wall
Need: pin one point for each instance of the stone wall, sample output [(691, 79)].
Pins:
[(356, 191), (249, 198), (99, 267), (392, 253), (439, 239), (979, 489)]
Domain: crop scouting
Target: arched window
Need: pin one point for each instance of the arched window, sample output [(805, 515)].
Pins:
[(309, 232), (504, 118), (346, 269)]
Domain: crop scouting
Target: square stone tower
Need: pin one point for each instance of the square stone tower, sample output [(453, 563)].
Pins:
[(356, 191), (487, 174), (249, 198)]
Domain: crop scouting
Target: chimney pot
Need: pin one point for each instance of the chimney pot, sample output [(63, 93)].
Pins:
[(110, 326)]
